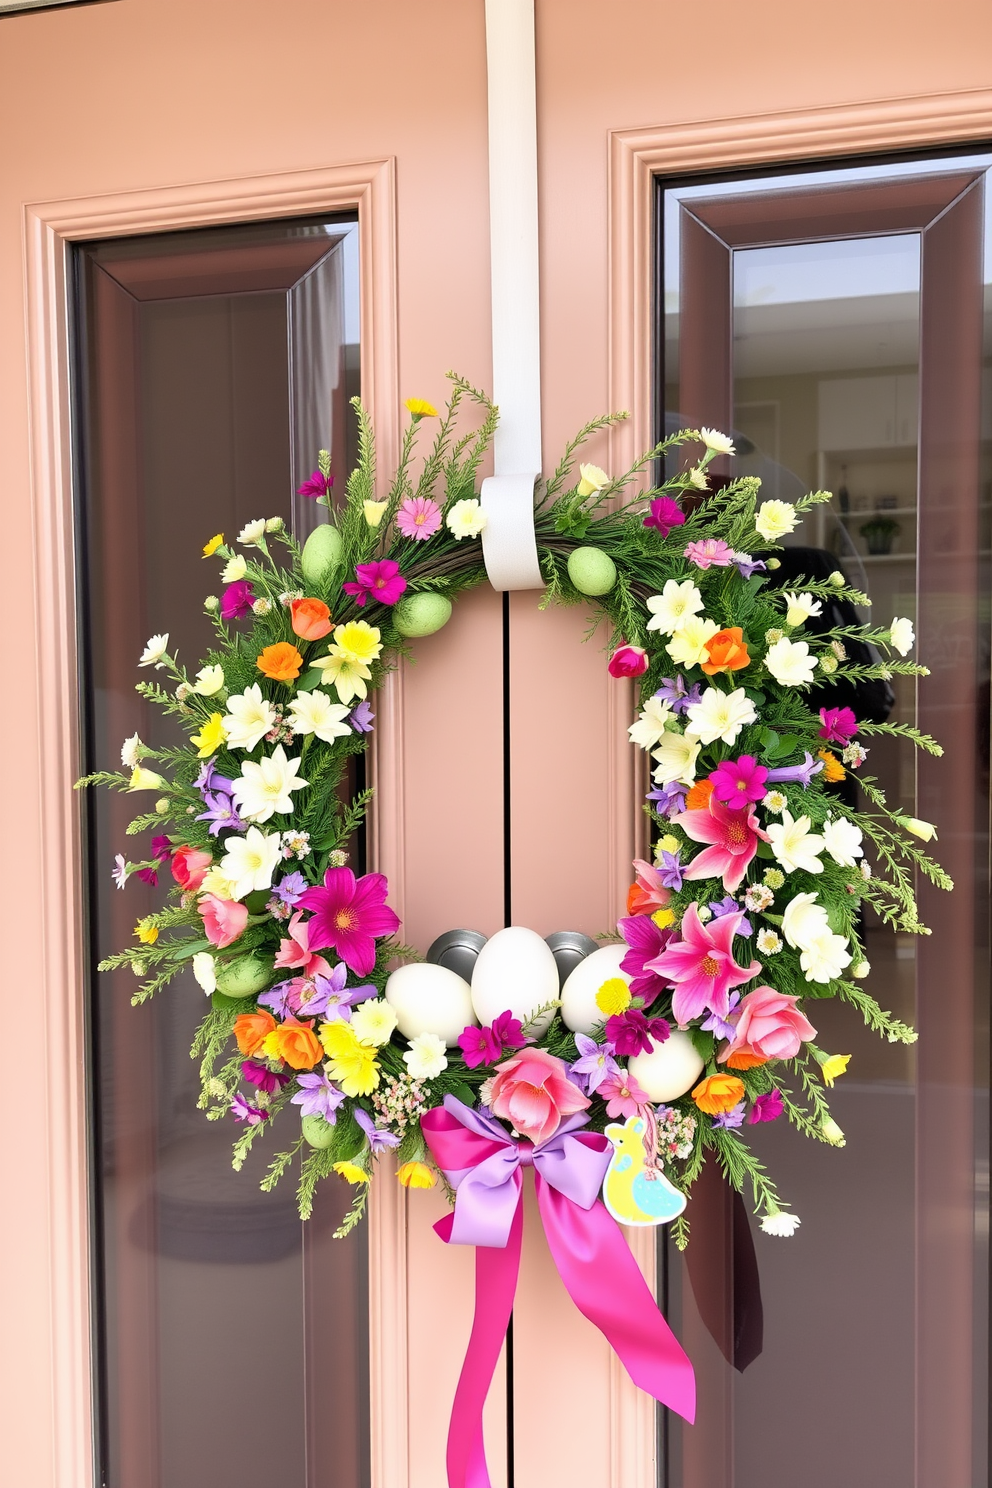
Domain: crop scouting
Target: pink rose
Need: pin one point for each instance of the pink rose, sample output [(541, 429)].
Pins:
[(223, 919), (533, 1092), (768, 1025), (294, 950), (189, 867), (628, 661)]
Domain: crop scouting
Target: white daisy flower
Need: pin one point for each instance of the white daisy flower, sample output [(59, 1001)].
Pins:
[(721, 715), (902, 637), (234, 569), (373, 1022), (155, 651), (466, 519), (777, 1223), (131, 752), (315, 713), (790, 662), (674, 605), (688, 645), (800, 607), (209, 681), (824, 959), (794, 845), (650, 723), (774, 800), (843, 841), (774, 519), (252, 533), (426, 1056), (264, 789), (676, 755), (250, 861), (769, 944), (249, 718), (720, 444), (204, 970), (805, 921)]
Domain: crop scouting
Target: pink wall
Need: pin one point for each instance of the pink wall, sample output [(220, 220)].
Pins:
[(140, 93)]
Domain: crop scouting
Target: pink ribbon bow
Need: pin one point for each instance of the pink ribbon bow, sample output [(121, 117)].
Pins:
[(482, 1162)]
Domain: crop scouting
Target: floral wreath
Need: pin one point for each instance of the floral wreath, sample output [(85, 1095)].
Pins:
[(665, 1045)]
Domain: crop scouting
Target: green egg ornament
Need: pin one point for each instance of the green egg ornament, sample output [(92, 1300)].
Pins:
[(321, 555), (317, 1131), (244, 977), (591, 571), (421, 614)]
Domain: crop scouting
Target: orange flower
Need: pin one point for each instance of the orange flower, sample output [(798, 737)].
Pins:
[(718, 1093), (741, 1059), (698, 798), (415, 1175), (727, 652), (251, 1028), (294, 1042), (282, 662), (311, 619), (833, 770)]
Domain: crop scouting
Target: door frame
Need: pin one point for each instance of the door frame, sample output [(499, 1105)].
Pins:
[(49, 230)]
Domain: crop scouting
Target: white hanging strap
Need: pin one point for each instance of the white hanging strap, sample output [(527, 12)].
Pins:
[(508, 542)]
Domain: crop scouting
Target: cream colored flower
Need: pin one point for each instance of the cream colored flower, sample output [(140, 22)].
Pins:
[(252, 533), (347, 676), (315, 713), (777, 1223), (774, 519), (215, 882), (721, 715), (251, 860), (790, 662), (205, 972), (805, 921), (592, 478), (265, 789), (926, 831), (209, 681), (769, 944), (688, 644), (426, 1057), (902, 637), (373, 1022), (650, 723), (843, 841), (155, 652), (131, 752), (234, 569), (831, 1132), (720, 444), (466, 519), (794, 845), (674, 605), (697, 478), (676, 755), (774, 800), (374, 511), (824, 959), (800, 607), (142, 779), (249, 718)]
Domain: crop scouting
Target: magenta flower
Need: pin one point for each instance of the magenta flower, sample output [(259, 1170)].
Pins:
[(318, 485), (703, 967), (262, 1076), (631, 1033), (242, 1111), (419, 518), (736, 782), (664, 514), (628, 661), (161, 849), (349, 914), (622, 1095), (646, 942), (733, 838), (237, 600), (838, 725), (711, 552), (766, 1108), (486, 1045), (382, 581)]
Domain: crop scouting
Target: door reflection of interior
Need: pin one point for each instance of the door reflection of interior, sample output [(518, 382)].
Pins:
[(835, 328)]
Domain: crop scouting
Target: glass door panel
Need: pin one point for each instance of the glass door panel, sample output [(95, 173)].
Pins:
[(212, 367)]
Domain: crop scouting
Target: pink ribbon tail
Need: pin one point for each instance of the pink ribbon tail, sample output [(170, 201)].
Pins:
[(496, 1270)]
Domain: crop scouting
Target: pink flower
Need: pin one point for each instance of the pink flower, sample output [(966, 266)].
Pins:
[(837, 725), (767, 1107), (318, 485), (382, 581), (702, 965), (738, 781), (189, 867), (348, 915), (623, 1095), (419, 518), (223, 919), (533, 1092), (647, 893), (767, 1025), (734, 837), (628, 661), (295, 951), (711, 551), (665, 514)]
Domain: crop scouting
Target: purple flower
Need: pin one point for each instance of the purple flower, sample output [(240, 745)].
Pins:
[(670, 869), (290, 888), (209, 780), (729, 905), (237, 600), (221, 813), (360, 718), (646, 941), (242, 1111), (669, 799), (121, 872), (665, 514), (631, 1033), (280, 999), (317, 1096), (802, 774), (262, 1076), (731, 1119), (746, 565), (332, 999), (718, 1026), (487, 1045), (594, 1065), (766, 1108), (161, 849), (837, 725), (674, 692), (318, 485), (379, 1141)]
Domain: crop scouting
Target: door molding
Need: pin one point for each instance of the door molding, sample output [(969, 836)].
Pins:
[(802, 135), (49, 229)]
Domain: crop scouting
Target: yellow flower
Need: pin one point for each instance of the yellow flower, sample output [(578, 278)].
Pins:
[(215, 882), (668, 843), (347, 677), (420, 408), (357, 641), (211, 736), (213, 545), (352, 1064), (142, 779), (833, 770), (663, 918), (146, 932), (352, 1172), (415, 1175), (374, 511), (613, 997), (592, 478), (834, 1066)]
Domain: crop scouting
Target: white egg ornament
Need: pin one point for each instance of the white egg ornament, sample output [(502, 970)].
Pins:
[(579, 1009), (430, 999), (516, 971), (667, 1070)]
